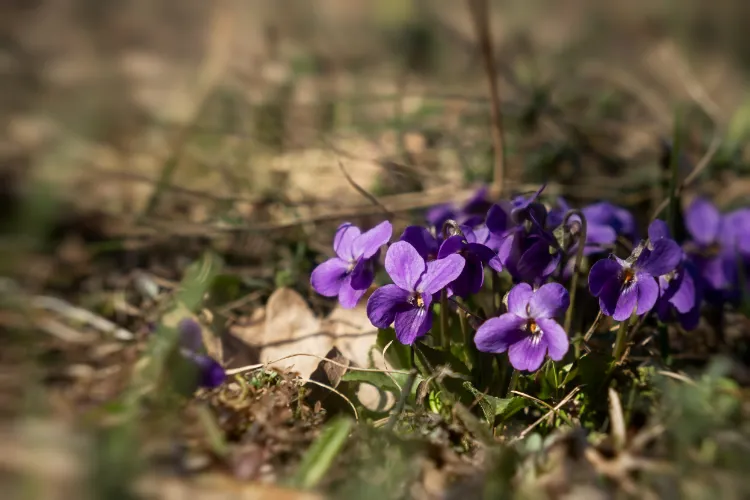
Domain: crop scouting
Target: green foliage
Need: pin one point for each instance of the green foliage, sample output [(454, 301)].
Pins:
[(321, 455)]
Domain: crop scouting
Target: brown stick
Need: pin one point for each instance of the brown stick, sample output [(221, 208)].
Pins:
[(480, 14)]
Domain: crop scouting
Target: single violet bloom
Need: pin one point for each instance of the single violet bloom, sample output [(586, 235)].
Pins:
[(471, 213), (476, 256), (423, 241), (680, 291), (627, 286), (716, 241), (350, 273), (607, 214), (210, 372), (528, 330), (407, 302)]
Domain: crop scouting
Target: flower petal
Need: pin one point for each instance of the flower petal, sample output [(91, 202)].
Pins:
[(471, 278), (497, 334), (535, 262), (555, 337), (349, 296), (369, 242), (362, 275), (664, 258), (191, 335), (451, 245), (404, 265), (497, 220), (702, 220), (518, 299), (422, 240), (527, 354), (647, 292), (601, 272), (548, 301), (343, 241), (440, 273), (385, 303), (657, 230), (326, 279), (210, 373), (626, 302), (685, 296), (412, 324), (609, 295)]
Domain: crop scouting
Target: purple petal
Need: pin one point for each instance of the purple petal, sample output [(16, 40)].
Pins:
[(437, 215), (471, 279), (548, 301), (404, 265), (555, 337), (369, 242), (518, 299), (600, 234), (451, 245), (191, 334), (210, 373), (440, 273), (713, 272), (664, 258), (326, 279), (414, 323), (626, 302), (385, 303), (685, 297), (481, 234), (343, 241), (527, 354), (601, 272), (422, 240), (609, 294), (647, 292), (657, 230), (734, 231), (349, 296), (497, 334), (702, 220), (362, 275), (689, 320), (497, 220), (535, 262)]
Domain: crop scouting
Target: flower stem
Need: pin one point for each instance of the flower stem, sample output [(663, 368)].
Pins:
[(621, 340), (466, 335), (405, 391), (513, 382), (445, 340), (576, 265), (497, 294)]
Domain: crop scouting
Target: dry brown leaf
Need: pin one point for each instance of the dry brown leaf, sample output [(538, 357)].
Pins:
[(290, 327)]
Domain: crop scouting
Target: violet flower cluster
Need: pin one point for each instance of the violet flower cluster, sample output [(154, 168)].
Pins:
[(454, 252)]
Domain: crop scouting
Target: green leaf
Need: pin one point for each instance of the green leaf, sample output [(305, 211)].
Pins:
[(496, 407), (379, 380), (398, 355), (198, 277), (438, 357), (320, 456)]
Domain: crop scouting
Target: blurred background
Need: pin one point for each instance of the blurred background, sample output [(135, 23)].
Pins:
[(137, 133)]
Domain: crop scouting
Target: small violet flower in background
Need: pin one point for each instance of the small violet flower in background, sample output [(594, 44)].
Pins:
[(471, 213), (680, 291), (600, 231), (407, 302), (624, 286), (528, 330), (210, 373), (476, 256), (422, 240), (607, 214), (716, 241), (350, 273)]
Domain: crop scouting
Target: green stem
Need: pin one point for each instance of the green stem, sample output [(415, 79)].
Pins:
[(497, 294), (469, 347), (405, 391), (513, 382), (674, 170), (620, 342), (445, 340), (576, 267)]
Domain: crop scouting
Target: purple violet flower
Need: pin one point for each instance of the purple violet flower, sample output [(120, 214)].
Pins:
[(476, 256), (407, 302), (625, 286), (210, 372), (528, 330), (680, 291), (350, 273), (599, 236), (717, 240), (471, 213), (423, 241), (607, 214)]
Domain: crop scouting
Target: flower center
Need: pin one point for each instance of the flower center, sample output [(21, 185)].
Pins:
[(351, 266), (535, 331), (628, 276), (533, 327), (416, 300)]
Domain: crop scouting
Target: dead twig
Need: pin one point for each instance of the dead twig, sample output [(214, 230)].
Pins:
[(480, 13), (364, 192)]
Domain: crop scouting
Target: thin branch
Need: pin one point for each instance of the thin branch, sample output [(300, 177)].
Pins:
[(480, 13), (258, 366), (363, 191)]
